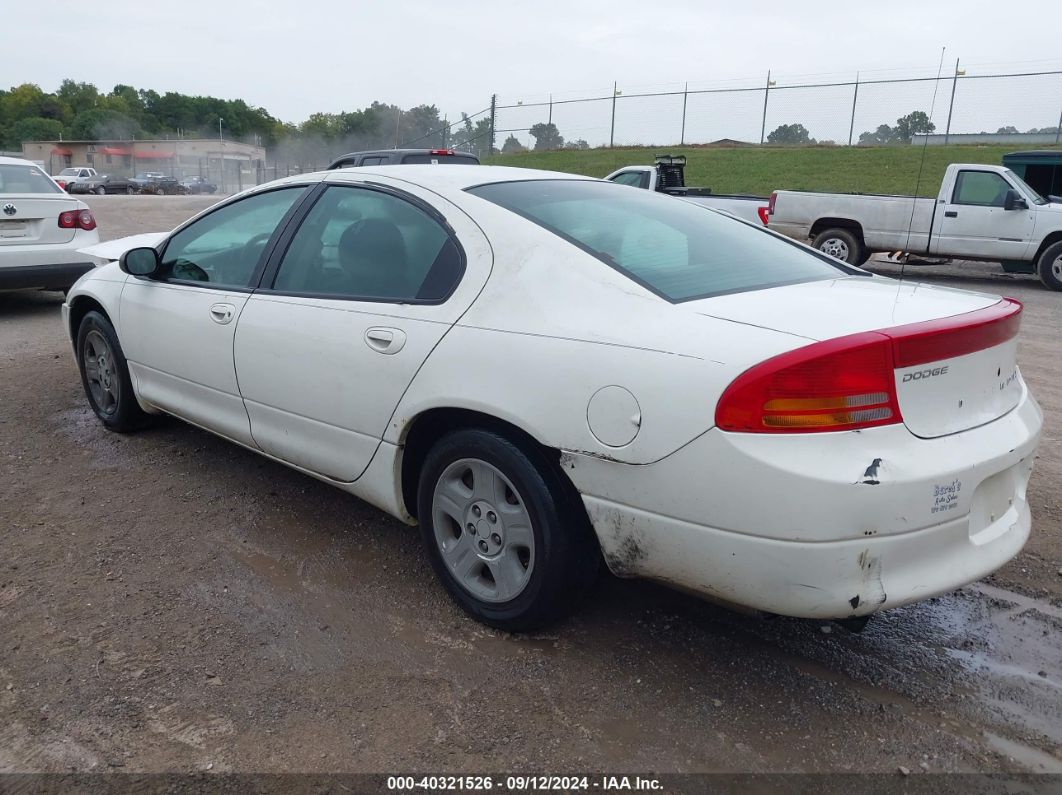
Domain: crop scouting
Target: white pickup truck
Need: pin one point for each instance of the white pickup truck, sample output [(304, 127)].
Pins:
[(668, 176), (68, 176), (981, 213)]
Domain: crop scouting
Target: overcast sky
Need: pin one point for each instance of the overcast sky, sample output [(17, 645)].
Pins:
[(295, 58)]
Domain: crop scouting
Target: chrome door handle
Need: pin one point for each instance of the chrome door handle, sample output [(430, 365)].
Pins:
[(385, 340), (222, 313)]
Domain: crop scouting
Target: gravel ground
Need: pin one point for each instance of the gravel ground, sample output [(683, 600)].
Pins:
[(172, 602)]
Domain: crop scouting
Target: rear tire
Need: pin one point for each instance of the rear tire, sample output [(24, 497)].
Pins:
[(1050, 266), (100, 190), (504, 530), (105, 375), (842, 244)]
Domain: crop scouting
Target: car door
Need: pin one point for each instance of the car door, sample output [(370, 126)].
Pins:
[(177, 331), (974, 223), (350, 307)]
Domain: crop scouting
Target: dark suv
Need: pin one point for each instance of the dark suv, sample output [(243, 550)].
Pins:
[(394, 157)]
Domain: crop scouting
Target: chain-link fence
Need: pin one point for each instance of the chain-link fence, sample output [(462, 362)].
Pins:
[(843, 112)]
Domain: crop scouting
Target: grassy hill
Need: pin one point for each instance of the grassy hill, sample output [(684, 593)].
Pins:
[(759, 170)]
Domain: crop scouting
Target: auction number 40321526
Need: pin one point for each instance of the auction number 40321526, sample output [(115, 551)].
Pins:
[(538, 783)]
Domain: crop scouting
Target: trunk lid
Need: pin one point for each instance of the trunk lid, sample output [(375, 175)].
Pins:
[(955, 351), (35, 220)]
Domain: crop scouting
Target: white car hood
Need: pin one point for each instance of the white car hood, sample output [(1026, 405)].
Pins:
[(836, 307), (113, 249)]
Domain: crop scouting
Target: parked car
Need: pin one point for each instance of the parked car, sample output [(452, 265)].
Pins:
[(981, 212), (155, 182), (395, 157), (196, 184), (667, 175), (103, 183), (73, 175), (41, 230), (544, 370)]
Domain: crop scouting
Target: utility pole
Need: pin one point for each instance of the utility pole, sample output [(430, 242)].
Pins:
[(1058, 129), (551, 109), (855, 96), (951, 105), (221, 157), (612, 132), (685, 95), (398, 124), (766, 93), (493, 119)]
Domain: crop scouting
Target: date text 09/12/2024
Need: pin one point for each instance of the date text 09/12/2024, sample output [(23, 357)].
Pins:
[(537, 783)]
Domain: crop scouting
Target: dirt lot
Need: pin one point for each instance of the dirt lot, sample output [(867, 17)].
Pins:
[(171, 602)]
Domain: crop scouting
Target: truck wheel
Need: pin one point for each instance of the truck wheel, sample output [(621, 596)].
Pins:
[(841, 244), (1051, 266)]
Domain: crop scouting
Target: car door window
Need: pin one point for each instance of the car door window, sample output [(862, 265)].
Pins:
[(632, 178), (224, 247), (370, 245), (980, 188)]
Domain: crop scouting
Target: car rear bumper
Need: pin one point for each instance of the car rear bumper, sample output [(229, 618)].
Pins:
[(47, 277), (804, 532)]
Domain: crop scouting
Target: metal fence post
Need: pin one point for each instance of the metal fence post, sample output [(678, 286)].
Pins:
[(685, 96), (855, 96), (951, 105), (1058, 129), (766, 93), (612, 130)]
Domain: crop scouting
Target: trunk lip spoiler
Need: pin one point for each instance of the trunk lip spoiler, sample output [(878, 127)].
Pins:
[(958, 335)]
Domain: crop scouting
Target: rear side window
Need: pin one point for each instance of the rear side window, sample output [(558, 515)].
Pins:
[(25, 179), (633, 178), (679, 250), (369, 245), (982, 188)]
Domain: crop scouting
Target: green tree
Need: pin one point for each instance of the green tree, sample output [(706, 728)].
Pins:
[(512, 144), (881, 136), (546, 136), (104, 124), (79, 97), (914, 123), (577, 144), (35, 128), (790, 134)]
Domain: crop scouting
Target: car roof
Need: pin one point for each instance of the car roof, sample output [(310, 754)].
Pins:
[(458, 177), (17, 161)]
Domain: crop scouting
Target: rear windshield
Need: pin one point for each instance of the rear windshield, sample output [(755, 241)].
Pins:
[(25, 179), (461, 160), (679, 250)]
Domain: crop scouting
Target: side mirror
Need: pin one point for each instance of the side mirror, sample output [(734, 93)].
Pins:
[(1014, 201), (140, 262)]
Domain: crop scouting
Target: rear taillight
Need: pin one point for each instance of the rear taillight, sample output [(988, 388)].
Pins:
[(762, 213), (442, 151), (834, 385), (771, 202), (848, 383), (77, 219)]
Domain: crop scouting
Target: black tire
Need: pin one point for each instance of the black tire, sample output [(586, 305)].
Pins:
[(130, 190), (1050, 266), (123, 414), (566, 557), (100, 190), (837, 240)]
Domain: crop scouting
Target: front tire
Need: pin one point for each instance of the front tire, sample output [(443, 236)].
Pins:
[(842, 244), (105, 375), (100, 190), (1050, 266), (504, 530)]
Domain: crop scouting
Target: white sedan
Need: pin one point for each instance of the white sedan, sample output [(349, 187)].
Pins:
[(42, 229), (544, 371)]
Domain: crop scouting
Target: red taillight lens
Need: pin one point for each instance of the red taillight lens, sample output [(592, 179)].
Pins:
[(77, 219), (442, 151), (834, 385), (849, 382), (762, 213), (770, 203)]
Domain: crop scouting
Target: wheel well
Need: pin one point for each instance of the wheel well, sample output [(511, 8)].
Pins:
[(823, 224), (80, 307), (427, 428), (1050, 240)]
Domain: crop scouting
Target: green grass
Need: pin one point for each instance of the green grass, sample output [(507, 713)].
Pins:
[(759, 170)]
